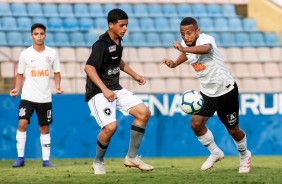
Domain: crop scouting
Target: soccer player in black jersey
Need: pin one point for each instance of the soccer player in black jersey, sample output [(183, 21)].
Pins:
[(104, 94)]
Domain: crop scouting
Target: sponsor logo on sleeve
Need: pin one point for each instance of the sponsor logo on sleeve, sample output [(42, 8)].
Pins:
[(112, 48)]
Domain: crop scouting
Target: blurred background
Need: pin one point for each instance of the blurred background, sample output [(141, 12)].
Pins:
[(248, 34)]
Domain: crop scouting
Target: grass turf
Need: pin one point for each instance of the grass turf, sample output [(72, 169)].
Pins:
[(265, 169)]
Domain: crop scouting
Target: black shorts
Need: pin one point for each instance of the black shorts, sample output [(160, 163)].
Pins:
[(226, 106), (43, 111)]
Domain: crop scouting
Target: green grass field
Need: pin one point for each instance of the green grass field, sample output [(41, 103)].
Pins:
[(265, 169)]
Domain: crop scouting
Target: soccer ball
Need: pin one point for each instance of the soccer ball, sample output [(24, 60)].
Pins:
[(191, 101)]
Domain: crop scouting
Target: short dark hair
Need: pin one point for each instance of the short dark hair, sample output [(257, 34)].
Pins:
[(116, 14), (188, 21), (37, 25)]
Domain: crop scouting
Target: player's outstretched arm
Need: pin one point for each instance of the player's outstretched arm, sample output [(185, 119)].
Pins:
[(171, 64), (14, 92), (139, 78), (199, 49)]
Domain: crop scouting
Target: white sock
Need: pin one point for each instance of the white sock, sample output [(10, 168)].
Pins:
[(241, 146), (21, 139), (208, 141), (45, 141)]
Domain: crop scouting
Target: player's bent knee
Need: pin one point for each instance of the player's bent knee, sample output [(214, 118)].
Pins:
[(146, 114), (141, 112), (143, 117), (110, 128), (196, 125), (234, 132), (44, 129)]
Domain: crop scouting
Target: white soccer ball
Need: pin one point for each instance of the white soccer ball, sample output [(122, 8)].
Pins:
[(191, 101)]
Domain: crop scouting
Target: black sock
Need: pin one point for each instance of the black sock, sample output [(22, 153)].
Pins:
[(136, 135), (101, 149)]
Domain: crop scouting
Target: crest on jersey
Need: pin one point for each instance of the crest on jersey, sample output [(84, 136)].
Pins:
[(107, 111), (48, 59), (232, 118), (112, 48), (22, 112)]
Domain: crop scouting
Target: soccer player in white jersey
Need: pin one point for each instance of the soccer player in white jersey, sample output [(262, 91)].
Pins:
[(105, 95), (36, 63), (219, 91)]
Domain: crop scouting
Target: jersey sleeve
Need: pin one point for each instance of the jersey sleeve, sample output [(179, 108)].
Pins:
[(96, 57), (22, 64), (56, 63), (206, 39)]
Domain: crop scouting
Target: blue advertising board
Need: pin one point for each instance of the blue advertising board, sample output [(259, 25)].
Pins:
[(168, 133)]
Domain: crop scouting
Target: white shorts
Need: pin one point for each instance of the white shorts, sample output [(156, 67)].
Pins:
[(105, 111)]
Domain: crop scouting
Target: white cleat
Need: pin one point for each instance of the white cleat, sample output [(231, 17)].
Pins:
[(245, 163), (138, 163), (213, 158), (99, 168)]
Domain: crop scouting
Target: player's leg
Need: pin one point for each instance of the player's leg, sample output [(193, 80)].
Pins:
[(21, 139), (103, 141), (127, 102), (206, 138), (228, 114), (141, 116), (105, 115), (240, 140), (26, 110), (44, 113)]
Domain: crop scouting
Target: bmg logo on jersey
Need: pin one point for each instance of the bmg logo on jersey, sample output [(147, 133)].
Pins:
[(199, 67), (232, 118), (39, 73)]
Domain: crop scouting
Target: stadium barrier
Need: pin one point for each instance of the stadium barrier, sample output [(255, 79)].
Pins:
[(168, 132)]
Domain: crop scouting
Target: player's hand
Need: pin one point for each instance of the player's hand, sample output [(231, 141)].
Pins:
[(178, 46), (14, 92), (109, 95), (169, 63), (141, 80), (59, 91)]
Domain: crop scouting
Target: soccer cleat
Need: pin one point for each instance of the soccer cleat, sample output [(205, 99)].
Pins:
[(99, 168), (137, 162), (47, 163), (213, 158), (19, 162), (245, 163)]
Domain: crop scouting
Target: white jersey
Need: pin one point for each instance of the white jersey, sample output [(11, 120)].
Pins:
[(215, 80), (37, 69)]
